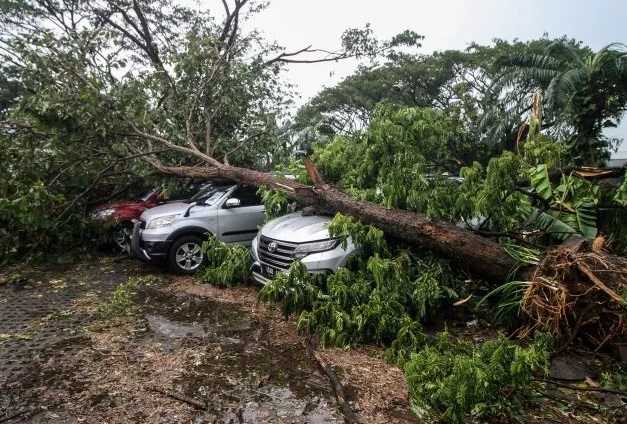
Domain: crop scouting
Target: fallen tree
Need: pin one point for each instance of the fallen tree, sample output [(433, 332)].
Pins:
[(569, 293), (481, 256)]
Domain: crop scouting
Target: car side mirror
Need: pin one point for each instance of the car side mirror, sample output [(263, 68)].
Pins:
[(233, 202)]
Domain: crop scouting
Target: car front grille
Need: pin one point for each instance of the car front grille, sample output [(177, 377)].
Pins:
[(282, 255)]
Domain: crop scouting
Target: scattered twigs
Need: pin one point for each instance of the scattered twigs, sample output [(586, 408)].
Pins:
[(15, 415), (347, 411), (180, 397)]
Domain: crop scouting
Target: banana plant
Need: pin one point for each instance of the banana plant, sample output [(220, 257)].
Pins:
[(570, 208)]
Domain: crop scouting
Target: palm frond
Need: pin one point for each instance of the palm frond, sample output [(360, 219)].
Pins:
[(551, 225), (561, 48), (563, 85)]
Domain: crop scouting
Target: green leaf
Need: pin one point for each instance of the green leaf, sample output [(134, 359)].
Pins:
[(587, 219), (550, 224), (539, 176)]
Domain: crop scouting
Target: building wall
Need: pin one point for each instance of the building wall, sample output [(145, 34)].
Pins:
[(617, 162)]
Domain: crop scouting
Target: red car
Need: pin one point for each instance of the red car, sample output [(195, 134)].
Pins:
[(119, 215), (127, 210)]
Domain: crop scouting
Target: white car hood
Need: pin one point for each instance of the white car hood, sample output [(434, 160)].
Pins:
[(295, 228)]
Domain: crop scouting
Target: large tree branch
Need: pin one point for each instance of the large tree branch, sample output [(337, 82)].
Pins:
[(137, 133), (242, 144), (142, 38)]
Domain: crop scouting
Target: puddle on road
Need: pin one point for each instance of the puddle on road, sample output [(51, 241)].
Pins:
[(280, 405), (237, 371), (164, 326)]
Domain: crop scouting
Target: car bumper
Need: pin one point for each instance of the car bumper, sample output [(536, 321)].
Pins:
[(148, 250), (261, 276), (317, 263)]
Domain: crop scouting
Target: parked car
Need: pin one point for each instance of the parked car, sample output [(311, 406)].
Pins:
[(296, 237), (120, 215), (174, 232)]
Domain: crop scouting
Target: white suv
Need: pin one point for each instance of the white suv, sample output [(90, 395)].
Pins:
[(296, 237), (175, 232)]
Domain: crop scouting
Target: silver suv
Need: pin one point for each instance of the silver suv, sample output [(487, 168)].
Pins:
[(296, 237), (175, 232)]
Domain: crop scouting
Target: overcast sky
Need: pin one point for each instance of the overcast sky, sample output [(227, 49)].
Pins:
[(446, 24)]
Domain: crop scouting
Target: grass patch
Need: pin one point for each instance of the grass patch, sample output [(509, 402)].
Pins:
[(121, 301)]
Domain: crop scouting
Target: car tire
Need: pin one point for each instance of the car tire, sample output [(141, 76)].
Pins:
[(122, 237), (186, 255)]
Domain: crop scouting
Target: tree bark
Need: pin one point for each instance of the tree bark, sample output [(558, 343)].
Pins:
[(481, 256)]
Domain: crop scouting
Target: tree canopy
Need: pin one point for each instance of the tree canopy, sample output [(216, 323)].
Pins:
[(104, 94), (109, 91)]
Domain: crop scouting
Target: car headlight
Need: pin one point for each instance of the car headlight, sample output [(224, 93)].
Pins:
[(305, 249), (160, 222), (253, 248), (103, 214)]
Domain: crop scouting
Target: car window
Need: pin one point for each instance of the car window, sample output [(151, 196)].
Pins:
[(189, 190), (247, 196)]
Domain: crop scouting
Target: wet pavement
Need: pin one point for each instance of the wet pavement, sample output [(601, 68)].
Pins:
[(178, 357)]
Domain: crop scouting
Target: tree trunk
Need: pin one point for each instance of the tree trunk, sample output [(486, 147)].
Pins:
[(479, 255), (482, 257)]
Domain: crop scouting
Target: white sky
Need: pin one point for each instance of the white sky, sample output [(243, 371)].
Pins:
[(446, 24)]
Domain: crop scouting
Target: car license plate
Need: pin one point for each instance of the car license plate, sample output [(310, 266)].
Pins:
[(269, 271)]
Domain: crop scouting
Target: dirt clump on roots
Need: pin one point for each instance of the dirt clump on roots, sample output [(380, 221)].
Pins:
[(578, 297)]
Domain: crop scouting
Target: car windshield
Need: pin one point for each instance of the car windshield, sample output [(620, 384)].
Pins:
[(209, 196), (147, 195)]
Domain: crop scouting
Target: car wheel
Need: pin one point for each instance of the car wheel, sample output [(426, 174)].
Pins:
[(186, 255), (122, 237)]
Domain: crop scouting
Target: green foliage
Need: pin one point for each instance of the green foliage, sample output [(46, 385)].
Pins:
[(227, 265), (395, 161), (570, 207), (409, 340), (523, 255), (275, 202), (540, 180), (620, 196), (502, 304), (295, 290), (370, 239), (585, 91), (120, 301), (615, 378), (458, 380), (507, 299), (381, 300), (542, 149)]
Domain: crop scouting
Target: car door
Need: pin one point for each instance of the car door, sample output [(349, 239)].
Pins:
[(240, 223)]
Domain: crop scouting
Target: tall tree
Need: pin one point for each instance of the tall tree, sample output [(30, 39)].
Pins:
[(585, 92), (115, 88)]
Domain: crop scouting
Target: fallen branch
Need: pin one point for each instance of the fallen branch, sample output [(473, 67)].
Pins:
[(180, 397), (347, 411), (582, 389)]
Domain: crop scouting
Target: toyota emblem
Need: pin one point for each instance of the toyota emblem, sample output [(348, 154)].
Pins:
[(272, 247)]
